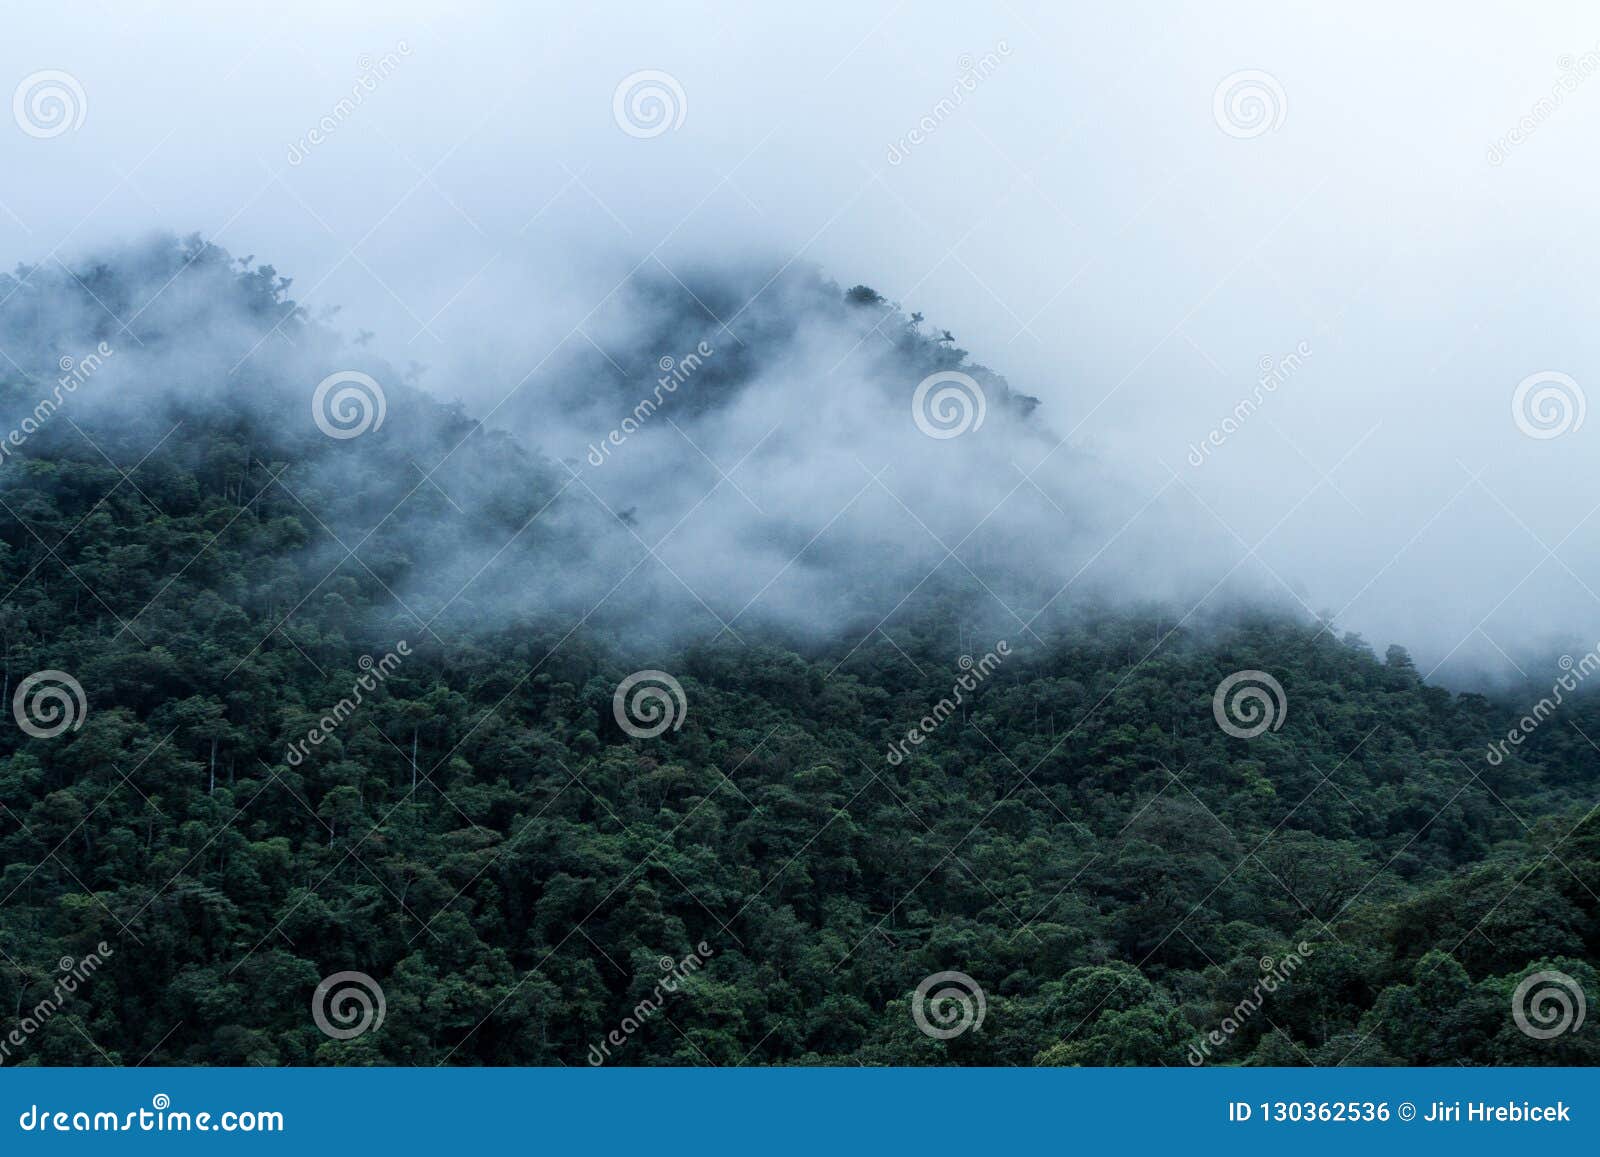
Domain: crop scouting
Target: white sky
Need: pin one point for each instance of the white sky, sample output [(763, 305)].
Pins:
[(1080, 222)]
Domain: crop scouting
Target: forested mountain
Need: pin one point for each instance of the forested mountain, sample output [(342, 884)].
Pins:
[(482, 837)]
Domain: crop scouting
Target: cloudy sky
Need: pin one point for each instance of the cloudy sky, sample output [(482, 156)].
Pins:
[(1127, 212)]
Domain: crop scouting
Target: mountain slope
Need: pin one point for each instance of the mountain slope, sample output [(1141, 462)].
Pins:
[(481, 836)]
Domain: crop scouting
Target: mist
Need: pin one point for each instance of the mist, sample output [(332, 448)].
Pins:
[(1394, 248)]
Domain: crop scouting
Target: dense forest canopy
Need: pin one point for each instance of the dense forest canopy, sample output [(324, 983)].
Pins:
[(478, 833)]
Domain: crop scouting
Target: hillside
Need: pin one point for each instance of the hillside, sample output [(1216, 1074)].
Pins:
[(482, 837)]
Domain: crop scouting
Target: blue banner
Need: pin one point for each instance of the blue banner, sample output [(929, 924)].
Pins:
[(800, 1111)]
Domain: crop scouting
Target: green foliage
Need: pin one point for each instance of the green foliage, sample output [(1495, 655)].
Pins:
[(480, 836)]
